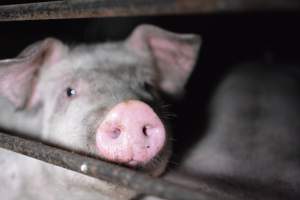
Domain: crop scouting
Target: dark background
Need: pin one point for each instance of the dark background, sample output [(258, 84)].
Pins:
[(228, 39)]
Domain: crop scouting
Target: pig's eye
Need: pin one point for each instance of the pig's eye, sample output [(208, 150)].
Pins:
[(70, 92)]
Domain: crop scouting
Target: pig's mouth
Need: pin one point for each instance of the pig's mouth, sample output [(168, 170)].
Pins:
[(132, 163)]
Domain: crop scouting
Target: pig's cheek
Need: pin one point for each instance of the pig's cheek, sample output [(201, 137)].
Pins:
[(65, 128)]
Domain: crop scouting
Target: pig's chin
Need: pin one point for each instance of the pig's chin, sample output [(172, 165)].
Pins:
[(141, 164), (132, 163), (154, 167)]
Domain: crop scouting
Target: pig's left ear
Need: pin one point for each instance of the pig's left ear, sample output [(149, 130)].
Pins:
[(174, 54), (18, 75)]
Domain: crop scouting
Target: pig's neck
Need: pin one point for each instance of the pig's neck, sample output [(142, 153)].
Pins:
[(27, 122)]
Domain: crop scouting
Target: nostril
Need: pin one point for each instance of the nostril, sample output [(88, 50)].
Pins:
[(114, 133), (147, 146), (146, 130)]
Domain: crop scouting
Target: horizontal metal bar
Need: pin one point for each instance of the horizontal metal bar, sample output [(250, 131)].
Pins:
[(137, 181), (99, 8), (111, 8)]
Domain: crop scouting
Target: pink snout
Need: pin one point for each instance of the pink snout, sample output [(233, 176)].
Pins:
[(131, 133)]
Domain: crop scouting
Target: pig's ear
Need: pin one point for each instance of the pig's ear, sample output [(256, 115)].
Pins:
[(174, 54), (18, 75)]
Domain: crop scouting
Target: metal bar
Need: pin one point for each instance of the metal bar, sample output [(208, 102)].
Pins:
[(99, 8), (112, 8), (137, 181)]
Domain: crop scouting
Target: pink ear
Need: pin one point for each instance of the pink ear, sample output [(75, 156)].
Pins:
[(174, 54), (17, 75)]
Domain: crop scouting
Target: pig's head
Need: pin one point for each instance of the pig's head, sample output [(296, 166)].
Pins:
[(103, 99)]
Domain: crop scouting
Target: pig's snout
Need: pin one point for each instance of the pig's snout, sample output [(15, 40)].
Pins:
[(131, 133)]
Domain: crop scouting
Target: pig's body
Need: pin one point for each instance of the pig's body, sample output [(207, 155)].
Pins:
[(100, 99), (253, 133)]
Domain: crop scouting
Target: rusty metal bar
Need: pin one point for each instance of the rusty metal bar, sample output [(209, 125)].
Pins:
[(100, 8), (137, 181), (112, 8)]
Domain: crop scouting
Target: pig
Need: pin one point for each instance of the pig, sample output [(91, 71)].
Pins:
[(252, 138), (103, 100)]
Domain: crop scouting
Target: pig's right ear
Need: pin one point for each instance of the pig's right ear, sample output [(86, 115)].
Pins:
[(18, 75), (173, 54)]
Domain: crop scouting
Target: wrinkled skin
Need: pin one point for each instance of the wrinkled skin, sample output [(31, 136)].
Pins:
[(36, 102)]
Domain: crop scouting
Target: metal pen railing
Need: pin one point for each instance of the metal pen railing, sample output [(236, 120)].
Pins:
[(141, 183), (112, 8)]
